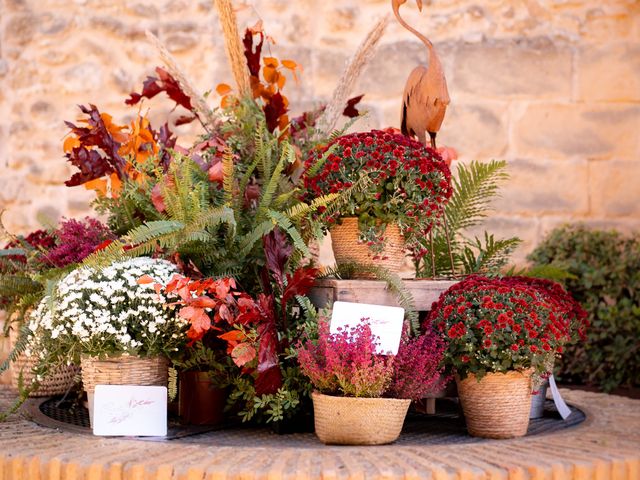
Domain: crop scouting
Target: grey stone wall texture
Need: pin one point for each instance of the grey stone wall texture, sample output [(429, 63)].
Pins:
[(552, 86)]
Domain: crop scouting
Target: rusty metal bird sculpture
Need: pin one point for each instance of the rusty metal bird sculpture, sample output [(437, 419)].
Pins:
[(425, 96)]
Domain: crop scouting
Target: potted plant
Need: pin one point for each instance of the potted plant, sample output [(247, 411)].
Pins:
[(401, 189), (361, 397), (499, 332), (27, 264), (112, 321)]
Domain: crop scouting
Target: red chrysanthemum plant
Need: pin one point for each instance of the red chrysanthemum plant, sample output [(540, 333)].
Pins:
[(503, 324), (408, 184)]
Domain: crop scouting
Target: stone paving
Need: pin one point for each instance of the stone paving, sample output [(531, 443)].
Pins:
[(605, 447)]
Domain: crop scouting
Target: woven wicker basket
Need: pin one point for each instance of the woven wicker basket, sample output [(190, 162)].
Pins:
[(58, 382), (122, 370), (347, 247), (358, 421), (498, 405)]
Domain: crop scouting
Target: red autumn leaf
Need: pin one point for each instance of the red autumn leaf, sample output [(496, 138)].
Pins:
[(243, 353), (275, 108), (152, 86), (224, 313), (215, 172), (97, 154), (103, 245), (184, 120), (299, 283), (223, 89), (253, 54), (269, 377), (233, 336), (350, 110), (277, 251), (157, 199), (145, 280), (203, 302), (198, 318)]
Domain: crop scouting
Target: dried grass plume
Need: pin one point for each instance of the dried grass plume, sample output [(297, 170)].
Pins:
[(350, 75), (233, 45), (203, 111)]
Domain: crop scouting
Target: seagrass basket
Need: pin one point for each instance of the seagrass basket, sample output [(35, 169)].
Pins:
[(122, 370), (358, 421), (58, 382), (498, 405), (347, 247)]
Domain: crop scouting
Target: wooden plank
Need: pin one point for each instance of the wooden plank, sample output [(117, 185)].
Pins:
[(424, 292)]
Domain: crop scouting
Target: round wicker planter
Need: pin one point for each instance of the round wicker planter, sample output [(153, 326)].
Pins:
[(498, 405), (58, 382), (358, 421), (122, 370), (347, 247)]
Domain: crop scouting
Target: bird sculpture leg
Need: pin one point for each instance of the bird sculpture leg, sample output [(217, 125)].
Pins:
[(433, 139)]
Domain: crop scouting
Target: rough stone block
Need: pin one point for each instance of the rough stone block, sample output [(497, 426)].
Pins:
[(533, 67), (476, 130), (589, 131), (609, 72), (614, 188), (545, 187)]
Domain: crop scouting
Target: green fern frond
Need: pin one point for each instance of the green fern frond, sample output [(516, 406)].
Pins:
[(474, 188), (273, 181), (228, 176), (315, 168), (282, 221), (489, 256)]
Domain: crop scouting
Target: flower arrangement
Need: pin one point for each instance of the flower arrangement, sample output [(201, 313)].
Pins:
[(503, 324), (408, 183), (107, 312), (347, 364), (27, 263)]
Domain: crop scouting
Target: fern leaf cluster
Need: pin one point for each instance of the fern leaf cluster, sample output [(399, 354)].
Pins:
[(475, 186)]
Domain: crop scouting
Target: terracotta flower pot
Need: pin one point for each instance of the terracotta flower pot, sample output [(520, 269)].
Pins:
[(498, 405), (358, 421), (200, 402), (347, 247)]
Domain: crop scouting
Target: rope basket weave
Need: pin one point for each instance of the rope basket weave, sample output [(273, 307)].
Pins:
[(57, 382), (358, 421), (124, 370), (347, 247), (498, 405)]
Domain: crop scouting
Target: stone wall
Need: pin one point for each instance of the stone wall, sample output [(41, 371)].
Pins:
[(553, 86)]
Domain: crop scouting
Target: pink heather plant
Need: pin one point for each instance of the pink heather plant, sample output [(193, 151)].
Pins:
[(346, 364), (76, 240), (418, 367)]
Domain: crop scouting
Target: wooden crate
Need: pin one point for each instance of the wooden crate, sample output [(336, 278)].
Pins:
[(424, 292)]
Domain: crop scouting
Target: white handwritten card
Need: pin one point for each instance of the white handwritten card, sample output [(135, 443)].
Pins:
[(130, 410), (385, 322)]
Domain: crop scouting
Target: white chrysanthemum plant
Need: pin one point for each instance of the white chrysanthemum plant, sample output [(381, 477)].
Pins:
[(108, 312)]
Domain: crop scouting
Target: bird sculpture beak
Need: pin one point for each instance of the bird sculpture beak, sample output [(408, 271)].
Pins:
[(419, 2)]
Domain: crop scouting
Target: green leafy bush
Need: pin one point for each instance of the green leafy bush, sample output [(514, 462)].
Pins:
[(605, 268)]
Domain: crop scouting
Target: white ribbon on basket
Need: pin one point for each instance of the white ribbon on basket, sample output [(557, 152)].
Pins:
[(561, 406)]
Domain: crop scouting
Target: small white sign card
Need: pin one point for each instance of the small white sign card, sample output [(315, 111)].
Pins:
[(130, 410), (386, 322), (561, 406)]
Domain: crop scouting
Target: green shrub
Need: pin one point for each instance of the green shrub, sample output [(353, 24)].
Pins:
[(605, 268)]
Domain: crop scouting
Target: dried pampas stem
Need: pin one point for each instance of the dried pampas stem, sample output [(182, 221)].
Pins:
[(354, 68), (202, 110), (235, 50)]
